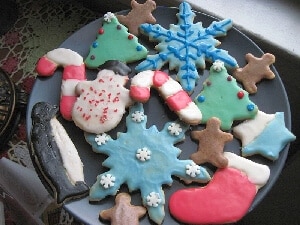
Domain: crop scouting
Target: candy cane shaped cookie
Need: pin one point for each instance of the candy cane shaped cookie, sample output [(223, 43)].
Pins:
[(171, 91), (74, 72)]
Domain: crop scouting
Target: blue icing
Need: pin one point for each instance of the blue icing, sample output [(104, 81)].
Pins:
[(271, 140), (186, 46), (148, 175)]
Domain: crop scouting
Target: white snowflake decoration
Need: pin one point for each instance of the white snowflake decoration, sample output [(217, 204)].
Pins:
[(107, 180), (218, 65), (143, 154), (109, 16), (174, 129), (153, 199), (138, 116), (101, 138), (192, 169)]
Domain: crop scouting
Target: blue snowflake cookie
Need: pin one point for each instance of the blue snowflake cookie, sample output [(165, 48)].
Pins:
[(186, 46), (144, 159)]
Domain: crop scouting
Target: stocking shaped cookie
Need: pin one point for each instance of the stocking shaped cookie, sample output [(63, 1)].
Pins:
[(101, 102)]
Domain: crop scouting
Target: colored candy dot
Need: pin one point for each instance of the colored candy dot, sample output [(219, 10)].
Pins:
[(119, 27), (208, 83), (201, 98), (229, 78), (101, 31), (130, 37), (139, 48), (92, 57), (240, 94), (250, 107), (95, 44)]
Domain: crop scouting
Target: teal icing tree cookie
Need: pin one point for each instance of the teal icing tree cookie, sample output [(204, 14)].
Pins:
[(221, 97), (186, 46), (144, 159), (114, 43)]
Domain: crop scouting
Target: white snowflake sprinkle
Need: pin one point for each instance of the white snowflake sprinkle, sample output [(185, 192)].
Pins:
[(153, 199), (138, 116), (174, 129), (192, 169), (101, 138), (108, 17), (107, 181), (143, 154), (218, 65)]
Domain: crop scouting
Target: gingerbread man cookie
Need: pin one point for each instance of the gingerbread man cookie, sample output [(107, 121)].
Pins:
[(256, 70), (123, 212), (139, 14), (211, 144)]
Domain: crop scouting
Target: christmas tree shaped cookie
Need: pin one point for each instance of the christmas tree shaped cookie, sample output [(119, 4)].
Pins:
[(221, 97), (114, 43)]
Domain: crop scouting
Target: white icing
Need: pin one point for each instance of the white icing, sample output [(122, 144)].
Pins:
[(107, 181), (138, 116), (257, 173), (109, 16), (143, 154), (71, 160), (101, 139), (153, 199), (248, 130), (218, 65), (174, 129), (170, 88), (192, 112), (192, 169), (64, 57), (143, 79), (68, 87)]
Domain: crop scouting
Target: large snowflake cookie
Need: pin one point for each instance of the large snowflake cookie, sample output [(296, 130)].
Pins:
[(144, 159), (101, 102), (186, 46), (114, 43)]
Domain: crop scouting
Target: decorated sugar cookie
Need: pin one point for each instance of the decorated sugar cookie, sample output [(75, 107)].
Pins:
[(123, 213), (114, 43), (74, 72), (140, 13), (221, 97), (170, 90), (186, 46), (266, 135), (144, 159), (226, 198), (101, 102), (256, 70)]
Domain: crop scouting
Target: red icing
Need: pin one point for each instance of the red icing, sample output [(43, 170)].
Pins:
[(225, 199), (178, 101), (140, 94), (74, 72), (66, 105), (160, 78), (45, 67)]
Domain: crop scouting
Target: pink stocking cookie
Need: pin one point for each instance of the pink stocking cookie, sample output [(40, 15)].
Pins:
[(74, 71)]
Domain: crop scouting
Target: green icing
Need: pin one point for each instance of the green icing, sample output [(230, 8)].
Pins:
[(114, 43), (219, 98)]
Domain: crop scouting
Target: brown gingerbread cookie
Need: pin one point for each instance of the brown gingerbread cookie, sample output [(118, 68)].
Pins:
[(211, 144), (123, 213), (256, 70), (139, 14)]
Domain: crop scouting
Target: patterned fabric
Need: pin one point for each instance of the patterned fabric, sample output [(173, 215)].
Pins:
[(40, 27)]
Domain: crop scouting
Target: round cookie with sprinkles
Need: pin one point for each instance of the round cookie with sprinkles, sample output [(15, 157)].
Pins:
[(114, 43), (221, 97)]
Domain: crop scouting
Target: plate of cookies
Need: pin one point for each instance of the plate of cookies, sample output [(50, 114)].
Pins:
[(173, 117)]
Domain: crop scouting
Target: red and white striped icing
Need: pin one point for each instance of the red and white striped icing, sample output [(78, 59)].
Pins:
[(176, 98)]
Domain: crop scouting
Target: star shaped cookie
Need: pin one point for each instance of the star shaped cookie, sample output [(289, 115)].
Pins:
[(123, 212), (256, 70), (139, 14), (211, 144), (266, 135)]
